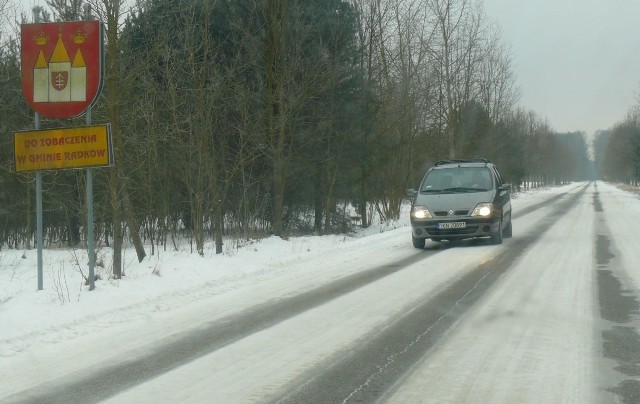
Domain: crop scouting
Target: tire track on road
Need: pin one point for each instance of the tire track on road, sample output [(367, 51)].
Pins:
[(620, 309), (99, 385), (370, 372)]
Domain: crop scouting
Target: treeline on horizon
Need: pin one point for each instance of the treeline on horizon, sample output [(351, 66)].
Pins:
[(617, 150), (253, 117)]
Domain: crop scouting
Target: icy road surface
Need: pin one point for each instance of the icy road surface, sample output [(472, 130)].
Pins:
[(551, 315)]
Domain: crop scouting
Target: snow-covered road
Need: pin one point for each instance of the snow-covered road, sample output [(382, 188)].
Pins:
[(551, 315)]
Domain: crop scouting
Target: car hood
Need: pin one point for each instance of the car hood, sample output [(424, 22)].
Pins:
[(456, 201)]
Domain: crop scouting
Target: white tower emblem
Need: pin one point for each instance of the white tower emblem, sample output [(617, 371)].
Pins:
[(60, 80)]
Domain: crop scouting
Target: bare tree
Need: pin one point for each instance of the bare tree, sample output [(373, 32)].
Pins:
[(112, 12), (498, 91), (66, 10), (621, 160), (410, 85), (372, 20), (457, 54), (277, 112), (4, 8)]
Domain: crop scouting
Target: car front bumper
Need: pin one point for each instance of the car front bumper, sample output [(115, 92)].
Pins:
[(473, 227)]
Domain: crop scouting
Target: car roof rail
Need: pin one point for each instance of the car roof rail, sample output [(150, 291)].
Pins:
[(456, 161)]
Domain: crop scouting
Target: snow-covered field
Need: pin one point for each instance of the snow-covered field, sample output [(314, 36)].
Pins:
[(176, 291)]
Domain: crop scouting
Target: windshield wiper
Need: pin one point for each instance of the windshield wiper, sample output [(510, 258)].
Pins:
[(455, 189), (464, 189)]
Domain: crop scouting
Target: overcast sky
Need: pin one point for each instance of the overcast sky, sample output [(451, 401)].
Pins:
[(577, 62)]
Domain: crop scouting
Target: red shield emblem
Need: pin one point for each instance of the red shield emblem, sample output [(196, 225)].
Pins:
[(62, 66), (59, 80)]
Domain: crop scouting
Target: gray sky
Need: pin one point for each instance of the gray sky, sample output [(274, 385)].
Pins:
[(577, 62)]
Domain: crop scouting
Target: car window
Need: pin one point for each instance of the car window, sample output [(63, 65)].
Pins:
[(458, 179), (498, 177)]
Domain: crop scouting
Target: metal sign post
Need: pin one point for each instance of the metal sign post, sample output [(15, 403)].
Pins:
[(90, 237), (39, 237)]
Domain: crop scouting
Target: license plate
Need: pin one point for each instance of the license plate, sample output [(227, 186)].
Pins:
[(452, 225)]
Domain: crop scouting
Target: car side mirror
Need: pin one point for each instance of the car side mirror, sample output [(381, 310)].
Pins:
[(505, 187), (411, 193)]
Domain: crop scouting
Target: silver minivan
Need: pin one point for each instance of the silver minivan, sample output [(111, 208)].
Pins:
[(460, 199)]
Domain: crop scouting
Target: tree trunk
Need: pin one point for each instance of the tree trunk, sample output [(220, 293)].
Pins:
[(318, 198), (134, 232), (276, 116), (117, 185), (452, 140), (117, 223), (278, 197), (218, 225), (112, 79)]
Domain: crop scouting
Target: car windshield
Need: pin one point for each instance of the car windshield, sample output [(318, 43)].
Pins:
[(457, 180)]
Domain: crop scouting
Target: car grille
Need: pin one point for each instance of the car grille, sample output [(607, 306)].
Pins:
[(467, 230), (461, 212)]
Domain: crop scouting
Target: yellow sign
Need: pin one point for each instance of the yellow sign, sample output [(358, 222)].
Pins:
[(56, 149)]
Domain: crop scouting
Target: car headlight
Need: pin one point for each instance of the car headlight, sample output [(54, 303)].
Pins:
[(483, 209), (420, 212)]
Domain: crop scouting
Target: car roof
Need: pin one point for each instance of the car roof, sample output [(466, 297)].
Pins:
[(464, 162)]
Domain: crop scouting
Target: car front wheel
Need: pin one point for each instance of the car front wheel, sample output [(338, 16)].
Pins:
[(496, 238), (508, 231), (417, 242)]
